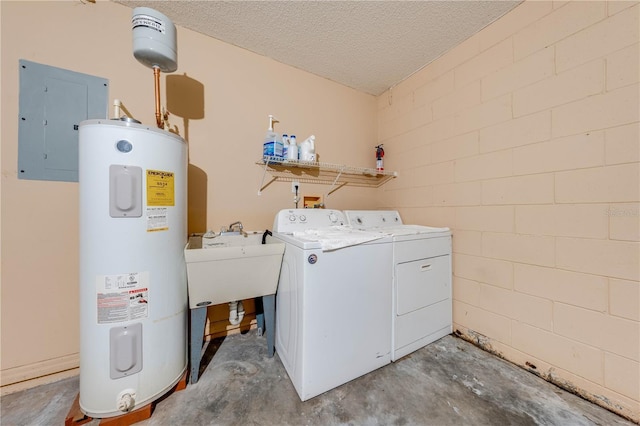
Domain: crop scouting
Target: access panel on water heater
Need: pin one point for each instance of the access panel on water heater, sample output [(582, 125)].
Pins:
[(125, 191)]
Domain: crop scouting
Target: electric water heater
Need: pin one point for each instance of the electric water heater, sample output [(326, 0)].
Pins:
[(133, 282)]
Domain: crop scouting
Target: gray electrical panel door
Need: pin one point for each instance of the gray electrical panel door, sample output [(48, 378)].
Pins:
[(53, 102)]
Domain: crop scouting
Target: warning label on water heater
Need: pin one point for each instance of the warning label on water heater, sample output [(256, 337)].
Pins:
[(160, 188), (157, 219), (122, 297)]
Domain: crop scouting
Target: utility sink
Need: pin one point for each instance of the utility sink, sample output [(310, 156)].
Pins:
[(234, 266)]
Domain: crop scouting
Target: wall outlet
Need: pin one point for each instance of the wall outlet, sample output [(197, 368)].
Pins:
[(295, 184)]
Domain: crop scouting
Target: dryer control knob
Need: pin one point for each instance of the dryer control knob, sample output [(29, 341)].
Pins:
[(333, 218), (292, 218), (303, 218)]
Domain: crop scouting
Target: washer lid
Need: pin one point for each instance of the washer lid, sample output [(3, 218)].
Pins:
[(336, 237), (332, 238)]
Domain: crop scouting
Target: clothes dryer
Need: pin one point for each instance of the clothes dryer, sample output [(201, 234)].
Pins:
[(421, 296), (333, 300)]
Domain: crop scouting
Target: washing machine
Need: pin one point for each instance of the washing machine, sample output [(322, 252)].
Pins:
[(333, 300), (421, 296)]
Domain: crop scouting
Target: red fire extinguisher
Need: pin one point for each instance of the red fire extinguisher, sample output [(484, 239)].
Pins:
[(379, 155)]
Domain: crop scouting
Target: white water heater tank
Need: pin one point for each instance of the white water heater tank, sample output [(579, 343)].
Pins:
[(133, 282)]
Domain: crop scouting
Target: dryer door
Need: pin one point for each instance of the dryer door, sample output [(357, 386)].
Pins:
[(421, 283)]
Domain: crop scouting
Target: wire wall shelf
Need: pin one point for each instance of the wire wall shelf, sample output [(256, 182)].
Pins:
[(336, 175)]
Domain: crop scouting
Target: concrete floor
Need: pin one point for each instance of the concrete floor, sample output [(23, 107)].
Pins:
[(450, 382)]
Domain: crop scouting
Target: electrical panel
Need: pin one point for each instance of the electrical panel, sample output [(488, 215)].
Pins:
[(53, 102)]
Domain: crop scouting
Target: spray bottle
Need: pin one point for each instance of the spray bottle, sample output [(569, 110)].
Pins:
[(379, 155)]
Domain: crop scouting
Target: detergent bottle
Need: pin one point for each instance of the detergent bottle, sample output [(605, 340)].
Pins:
[(308, 149)]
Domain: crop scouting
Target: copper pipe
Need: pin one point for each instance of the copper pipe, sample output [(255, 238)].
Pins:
[(156, 75)]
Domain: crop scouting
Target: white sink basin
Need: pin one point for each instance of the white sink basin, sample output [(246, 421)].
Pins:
[(235, 267)]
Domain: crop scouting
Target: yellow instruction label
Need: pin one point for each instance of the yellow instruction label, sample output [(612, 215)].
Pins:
[(160, 188)]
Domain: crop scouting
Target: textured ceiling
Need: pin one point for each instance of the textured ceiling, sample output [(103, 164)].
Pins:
[(367, 45)]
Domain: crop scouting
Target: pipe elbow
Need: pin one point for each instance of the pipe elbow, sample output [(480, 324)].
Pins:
[(236, 312)]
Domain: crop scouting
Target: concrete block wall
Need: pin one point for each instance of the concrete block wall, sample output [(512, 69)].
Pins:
[(525, 141)]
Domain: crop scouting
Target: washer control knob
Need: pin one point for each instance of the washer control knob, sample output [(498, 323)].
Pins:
[(333, 218), (292, 218), (302, 218)]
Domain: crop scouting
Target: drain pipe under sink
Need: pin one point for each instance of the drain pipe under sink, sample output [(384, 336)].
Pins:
[(236, 312), (236, 309)]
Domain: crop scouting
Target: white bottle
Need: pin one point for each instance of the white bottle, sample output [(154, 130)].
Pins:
[(308, 149), (292, 152)]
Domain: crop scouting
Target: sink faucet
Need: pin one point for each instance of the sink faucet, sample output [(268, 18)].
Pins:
[(235, 224), (235, 228)]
